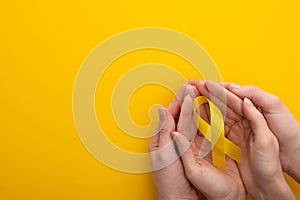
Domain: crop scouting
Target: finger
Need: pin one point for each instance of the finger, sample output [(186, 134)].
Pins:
[(258, 123), (162, 148), (231, 116), (188, 90), (201, 87), (167, 126), (203, 110), (187, 155), (201, 173), (269, 103), (195, 90), (228, 98), (192, 81), (186, 124), (175, 105), (275, 112), (153, 143)]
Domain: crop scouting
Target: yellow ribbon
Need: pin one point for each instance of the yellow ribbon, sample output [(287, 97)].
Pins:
[(215, 134)]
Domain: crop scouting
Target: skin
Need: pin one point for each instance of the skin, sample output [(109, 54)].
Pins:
[(260, 165), (212, 182), (244, 125), (174, 181), (170, 182), (278, 118)]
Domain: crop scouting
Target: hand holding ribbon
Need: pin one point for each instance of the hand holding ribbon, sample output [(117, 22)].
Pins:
[(215, 134)]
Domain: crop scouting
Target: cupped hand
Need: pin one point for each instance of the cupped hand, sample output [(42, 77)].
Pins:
[(168, 174), (260, 166), (281, 122), (212, 182)]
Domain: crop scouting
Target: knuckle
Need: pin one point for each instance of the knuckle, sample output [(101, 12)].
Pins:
[(153, 143), (165, 130), (150, 147)]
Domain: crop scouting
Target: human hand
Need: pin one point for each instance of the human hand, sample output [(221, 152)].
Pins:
[(281, 122), (260, 166), (170, 181), (212, 182)]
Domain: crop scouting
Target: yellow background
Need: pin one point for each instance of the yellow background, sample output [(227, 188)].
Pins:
[(43, 44)]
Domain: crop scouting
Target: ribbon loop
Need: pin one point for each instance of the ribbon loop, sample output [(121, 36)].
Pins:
[(215, 133)]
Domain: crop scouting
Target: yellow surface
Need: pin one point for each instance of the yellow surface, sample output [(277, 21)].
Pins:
[(43, 44)]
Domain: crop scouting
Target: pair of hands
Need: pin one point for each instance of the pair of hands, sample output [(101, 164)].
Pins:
[(256, 131)]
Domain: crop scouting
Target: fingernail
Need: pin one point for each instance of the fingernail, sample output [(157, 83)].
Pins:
[(174, 134), (162, 119), (191, 81), (189, 87), (234, 86), (248, 102), (189, 91)]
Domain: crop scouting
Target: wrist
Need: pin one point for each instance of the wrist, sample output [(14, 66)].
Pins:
[(233, 195), (192, 196), (180, 198), (292, 167), (278, 189)]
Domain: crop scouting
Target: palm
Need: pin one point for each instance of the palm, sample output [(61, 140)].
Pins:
[(238, 132), (171, 182), (179, 184), (227, 183), (171, 176), (253, 155), (278, 118), (238, 129)]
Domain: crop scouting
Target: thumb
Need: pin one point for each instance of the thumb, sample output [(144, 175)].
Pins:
[(186, 153), (166, 126), (257, 121)]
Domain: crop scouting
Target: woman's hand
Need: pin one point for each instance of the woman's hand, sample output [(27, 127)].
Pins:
[(281, 122), (260, 166), (170, 181), (212, 182)]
